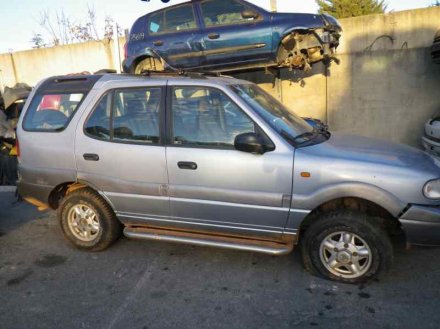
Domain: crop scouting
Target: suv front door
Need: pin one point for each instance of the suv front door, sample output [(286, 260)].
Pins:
[(214, 187), (119, 151)]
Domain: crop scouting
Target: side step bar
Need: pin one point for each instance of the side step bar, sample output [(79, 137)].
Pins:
[(226, 242)]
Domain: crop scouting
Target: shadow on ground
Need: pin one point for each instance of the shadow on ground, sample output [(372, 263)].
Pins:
[(14, 213)]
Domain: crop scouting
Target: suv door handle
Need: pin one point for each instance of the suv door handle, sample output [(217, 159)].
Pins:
[(213, 36), (158, 43), (91, 157), (187, 165)]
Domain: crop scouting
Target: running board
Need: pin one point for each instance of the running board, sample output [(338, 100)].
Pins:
[(226, 242)]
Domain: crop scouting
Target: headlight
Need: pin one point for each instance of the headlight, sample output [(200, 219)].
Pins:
[(431, 190)]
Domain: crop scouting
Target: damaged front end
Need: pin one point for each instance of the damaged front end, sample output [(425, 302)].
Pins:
[(304, 46)]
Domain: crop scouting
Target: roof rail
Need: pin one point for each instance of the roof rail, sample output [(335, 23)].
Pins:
[(183, 73)]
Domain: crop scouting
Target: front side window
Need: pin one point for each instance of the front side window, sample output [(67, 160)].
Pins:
[(176, 19), (51, 112), (225, 12), (206, 117), (130, 115)]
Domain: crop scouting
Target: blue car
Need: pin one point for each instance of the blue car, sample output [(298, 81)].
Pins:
[(228, 35)]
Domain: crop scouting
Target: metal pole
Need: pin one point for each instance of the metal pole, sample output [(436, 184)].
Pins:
[(116, 48), (273, 5)]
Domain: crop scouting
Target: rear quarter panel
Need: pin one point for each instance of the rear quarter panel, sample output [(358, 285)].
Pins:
[(46, 159)]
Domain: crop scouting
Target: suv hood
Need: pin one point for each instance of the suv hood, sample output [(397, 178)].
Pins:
[(355, 148), (370, 168)]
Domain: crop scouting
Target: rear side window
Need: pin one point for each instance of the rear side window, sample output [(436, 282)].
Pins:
[(127, 115), (157, 23), (172, 20), (51, 112)]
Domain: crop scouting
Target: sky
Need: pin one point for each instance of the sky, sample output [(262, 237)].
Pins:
[(19, 19)]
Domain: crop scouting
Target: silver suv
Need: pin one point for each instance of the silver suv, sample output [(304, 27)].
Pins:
[(216, 161)]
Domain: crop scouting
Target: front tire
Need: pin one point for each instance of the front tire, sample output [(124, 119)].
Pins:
[(87, 221), (347, 246)]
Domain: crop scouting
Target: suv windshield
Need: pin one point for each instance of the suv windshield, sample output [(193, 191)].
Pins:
[(293, 128)]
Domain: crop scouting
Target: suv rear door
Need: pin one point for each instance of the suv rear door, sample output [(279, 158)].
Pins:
[(119, 150), (175, 34)]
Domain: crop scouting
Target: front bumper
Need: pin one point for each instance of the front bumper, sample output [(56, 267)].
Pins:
[(422, 225)]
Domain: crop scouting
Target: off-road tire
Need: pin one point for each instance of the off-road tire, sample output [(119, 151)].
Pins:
[(110, 227), (368, 228)]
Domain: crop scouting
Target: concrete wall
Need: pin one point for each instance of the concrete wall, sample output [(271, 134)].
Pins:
[(385, 84), (33, 65)]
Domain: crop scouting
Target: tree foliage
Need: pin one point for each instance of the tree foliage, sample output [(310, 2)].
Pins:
[(61, 30), (351, 8)]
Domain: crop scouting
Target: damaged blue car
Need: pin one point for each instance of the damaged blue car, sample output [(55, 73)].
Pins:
[(228, 35)]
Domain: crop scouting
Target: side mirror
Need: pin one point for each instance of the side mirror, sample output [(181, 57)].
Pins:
[(248, 13), (250, 143)]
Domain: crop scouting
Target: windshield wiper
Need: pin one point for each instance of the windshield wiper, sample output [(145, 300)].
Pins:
[(307, 136), (294, 140)]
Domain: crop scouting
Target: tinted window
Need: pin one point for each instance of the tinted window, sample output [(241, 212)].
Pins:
[(172, 20), (134, 116), (225, 12), (98, 124), (51, 112), (207, 117)]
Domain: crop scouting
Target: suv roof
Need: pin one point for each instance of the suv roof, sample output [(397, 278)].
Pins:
[(84, 83)]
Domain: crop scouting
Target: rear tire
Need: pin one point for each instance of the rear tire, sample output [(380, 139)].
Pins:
[(347, 246), (87, 221), (148, 64)]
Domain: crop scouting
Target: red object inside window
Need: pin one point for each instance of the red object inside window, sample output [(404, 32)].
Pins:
[(50, 102)]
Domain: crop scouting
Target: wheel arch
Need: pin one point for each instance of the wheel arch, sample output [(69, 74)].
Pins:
[(375, 211), (301, 29), (61, 190), (288, 42), (356, 196), (147, 53)]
